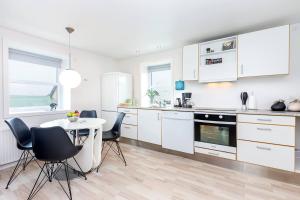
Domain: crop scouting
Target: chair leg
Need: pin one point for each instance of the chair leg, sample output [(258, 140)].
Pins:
[(82, 173), (102, 159), (36, 187), (12, 177), (68, 178), (120, 151)]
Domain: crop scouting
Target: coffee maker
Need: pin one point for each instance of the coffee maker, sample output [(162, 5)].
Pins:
[(186, 100)]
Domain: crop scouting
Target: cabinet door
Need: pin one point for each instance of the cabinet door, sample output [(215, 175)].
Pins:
[(125, 87), (264, 52), (190, 62), (149, 126), (109, 93)]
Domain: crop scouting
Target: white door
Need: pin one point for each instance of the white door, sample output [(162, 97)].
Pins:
[(190, 62), (264, 52), (125, 87), (149, 126), (110, 118), (109, 93)]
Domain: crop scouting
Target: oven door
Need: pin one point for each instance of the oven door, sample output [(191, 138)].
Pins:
[(214, 135)]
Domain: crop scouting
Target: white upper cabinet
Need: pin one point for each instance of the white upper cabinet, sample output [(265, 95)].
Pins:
[(264, 52), (190, 62), (149, 126), (218, 60)]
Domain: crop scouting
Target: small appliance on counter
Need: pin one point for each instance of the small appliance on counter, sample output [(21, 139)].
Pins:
[(244, 98), (278, 106), (252, 102), (178, 103), (186, 100)]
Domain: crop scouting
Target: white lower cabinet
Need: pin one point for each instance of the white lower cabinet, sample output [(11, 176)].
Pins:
[(269, 155), (149, 126), (283, 135), (129, 131)]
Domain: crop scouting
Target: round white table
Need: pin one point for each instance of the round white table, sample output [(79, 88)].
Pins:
[(90, 155)]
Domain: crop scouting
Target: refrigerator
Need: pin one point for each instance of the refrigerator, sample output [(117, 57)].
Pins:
[(116, 88)]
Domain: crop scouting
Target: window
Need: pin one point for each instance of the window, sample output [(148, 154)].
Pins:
[(32, 81), (160, 79)]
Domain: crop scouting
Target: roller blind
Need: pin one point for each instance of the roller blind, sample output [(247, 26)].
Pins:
[(24, 56), (156, 68)]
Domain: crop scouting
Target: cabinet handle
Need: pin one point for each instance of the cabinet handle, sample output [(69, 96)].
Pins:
[(263, 148), (213, 154), (127, 116), (194, 73), (158, 116), (264, 129), (127, 127), (264, 120)]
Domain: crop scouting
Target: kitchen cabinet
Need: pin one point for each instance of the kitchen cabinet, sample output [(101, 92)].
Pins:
[(149, 126), (190, 59), (218, 64), (264, 52), (267, 140), (129, 123)]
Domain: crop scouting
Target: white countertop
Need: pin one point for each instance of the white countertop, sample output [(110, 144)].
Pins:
[(204, 109)]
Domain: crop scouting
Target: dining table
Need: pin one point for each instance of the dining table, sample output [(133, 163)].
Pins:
[(89, 157)]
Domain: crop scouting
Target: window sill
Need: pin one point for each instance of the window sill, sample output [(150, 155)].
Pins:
[(37, 113)]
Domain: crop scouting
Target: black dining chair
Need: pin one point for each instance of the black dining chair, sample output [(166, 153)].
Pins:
[(84, 132), (54, 147), (112, 137), (24, 143)]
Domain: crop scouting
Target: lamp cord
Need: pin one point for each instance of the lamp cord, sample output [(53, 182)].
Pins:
[(70, 51)]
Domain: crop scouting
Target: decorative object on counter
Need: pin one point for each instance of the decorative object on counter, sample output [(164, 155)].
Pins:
[(186, 100), (294, 106), (244, 98), (228, 45), (207, 50), (179, 85), (252, 101), (73, 116), (278, 105), (213, 61), (53, 106), (152, 94), (178, 103)]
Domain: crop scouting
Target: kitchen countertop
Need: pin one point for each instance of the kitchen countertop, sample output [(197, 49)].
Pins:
[(218, 110)]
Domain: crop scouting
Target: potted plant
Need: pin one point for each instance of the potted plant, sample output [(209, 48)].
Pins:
[(152, 93)]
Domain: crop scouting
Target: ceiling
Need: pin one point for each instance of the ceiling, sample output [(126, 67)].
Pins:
[(125, 28)]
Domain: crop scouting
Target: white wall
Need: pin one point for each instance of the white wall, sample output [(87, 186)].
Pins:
[(86, 96), (226, 95)]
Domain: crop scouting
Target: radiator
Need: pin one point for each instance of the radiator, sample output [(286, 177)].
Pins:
[(9, 152)]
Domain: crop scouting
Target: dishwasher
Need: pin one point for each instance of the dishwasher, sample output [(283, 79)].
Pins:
[(178, 131)]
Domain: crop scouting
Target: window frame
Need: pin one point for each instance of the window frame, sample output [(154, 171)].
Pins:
[(64, 95), (144, 79)]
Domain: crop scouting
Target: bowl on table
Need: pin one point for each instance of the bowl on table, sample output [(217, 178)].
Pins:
[(73, 119)]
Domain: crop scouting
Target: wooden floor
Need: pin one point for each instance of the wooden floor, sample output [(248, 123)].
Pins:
[(157, 176)]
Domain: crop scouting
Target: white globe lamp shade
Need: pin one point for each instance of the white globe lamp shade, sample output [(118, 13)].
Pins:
[(70, 78)]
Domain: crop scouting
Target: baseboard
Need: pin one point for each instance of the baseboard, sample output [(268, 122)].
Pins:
[(260, 171)]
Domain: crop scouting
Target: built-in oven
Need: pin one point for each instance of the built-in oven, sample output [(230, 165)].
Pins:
[(216, 131)]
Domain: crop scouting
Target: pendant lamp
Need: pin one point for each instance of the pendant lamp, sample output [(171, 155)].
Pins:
[(70, 78)]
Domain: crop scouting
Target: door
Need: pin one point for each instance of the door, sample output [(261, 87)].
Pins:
[(149, 126), (110, 118), (125, 87), (264, 52), (109, 94), (190, 62)]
